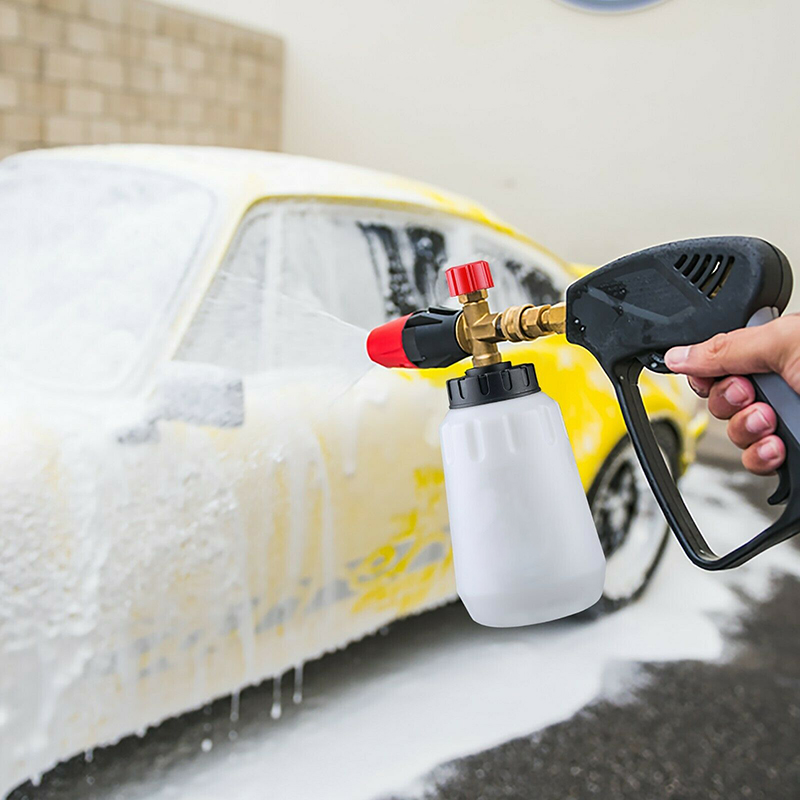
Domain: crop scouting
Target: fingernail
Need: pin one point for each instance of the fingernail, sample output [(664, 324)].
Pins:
[(698, 389), (768, 451), (677, 356), (757, 422), (735, 394)]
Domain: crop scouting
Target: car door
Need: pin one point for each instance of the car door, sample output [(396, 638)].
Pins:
[(363, 265), (333, 483), (260, 323), (239, 479), (202, 594)]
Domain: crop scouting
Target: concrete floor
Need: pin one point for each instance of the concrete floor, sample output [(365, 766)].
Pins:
[(702, 727)]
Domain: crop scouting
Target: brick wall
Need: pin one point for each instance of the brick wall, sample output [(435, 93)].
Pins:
[(96, 71)]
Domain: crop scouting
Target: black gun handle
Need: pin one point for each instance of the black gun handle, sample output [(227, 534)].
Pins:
[(769, 388), (772, 389)]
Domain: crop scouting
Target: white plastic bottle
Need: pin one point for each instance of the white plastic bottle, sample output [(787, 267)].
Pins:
[(524, 543)]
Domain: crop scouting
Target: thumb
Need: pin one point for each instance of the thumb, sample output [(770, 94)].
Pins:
[(774, 347)]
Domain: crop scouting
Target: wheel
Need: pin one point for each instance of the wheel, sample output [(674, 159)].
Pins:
[(629, 522)]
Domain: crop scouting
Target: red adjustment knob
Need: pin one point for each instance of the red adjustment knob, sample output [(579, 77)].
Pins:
[(468, 278)]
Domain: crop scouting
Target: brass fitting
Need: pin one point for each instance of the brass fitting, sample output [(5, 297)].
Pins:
[(479, 330), (476, 329), (543, 320)]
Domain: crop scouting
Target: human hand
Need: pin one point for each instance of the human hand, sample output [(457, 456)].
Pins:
[(773, 347)]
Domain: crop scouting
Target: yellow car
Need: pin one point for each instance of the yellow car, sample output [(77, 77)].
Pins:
[(203, 482)]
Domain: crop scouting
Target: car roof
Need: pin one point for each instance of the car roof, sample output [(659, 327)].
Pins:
[(259, 174), (278, 174)]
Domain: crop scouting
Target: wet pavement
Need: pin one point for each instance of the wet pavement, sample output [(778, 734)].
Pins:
[(694, 730)]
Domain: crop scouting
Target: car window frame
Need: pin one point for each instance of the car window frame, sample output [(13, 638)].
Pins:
[(250, 215)]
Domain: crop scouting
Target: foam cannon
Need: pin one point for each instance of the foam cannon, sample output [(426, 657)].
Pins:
[(524, 544)]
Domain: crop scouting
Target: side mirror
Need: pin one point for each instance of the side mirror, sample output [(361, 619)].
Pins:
[(200, 394)]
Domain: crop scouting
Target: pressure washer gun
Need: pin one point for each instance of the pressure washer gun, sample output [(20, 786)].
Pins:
[(524, 544)]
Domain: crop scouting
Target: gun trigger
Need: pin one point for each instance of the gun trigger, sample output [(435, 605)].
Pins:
[(783, 490), (655, 363)]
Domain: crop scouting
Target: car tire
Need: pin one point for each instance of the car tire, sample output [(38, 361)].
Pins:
[(630, 524)]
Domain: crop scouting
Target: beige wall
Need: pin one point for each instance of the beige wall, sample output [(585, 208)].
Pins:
[(596, 134), (93, 71)]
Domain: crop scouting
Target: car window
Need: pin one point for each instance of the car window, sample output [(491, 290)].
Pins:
[(537, 285), (301, 279), (520, 274), (408, 259), (430, 256), (326, 264), (393, 275), (228, 328), (364, 265)]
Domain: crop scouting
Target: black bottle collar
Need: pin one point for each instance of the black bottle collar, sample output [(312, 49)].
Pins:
[(490, 384)]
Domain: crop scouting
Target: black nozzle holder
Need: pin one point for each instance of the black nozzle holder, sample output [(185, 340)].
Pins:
[(430, 340), (502, 381)]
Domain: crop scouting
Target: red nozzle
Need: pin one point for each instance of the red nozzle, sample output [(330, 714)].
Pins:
[(467, 278), (385, 344)]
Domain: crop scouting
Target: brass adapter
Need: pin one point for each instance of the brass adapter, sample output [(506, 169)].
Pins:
[(536, 321), (479, 330), (476, 329)]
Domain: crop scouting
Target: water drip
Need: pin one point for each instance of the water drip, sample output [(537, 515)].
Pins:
[(276, 710)]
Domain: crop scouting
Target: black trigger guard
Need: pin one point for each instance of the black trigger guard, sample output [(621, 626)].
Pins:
[(625, 378), (783, 489)]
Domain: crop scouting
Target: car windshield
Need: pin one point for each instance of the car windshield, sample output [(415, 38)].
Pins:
[(92, 255)]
